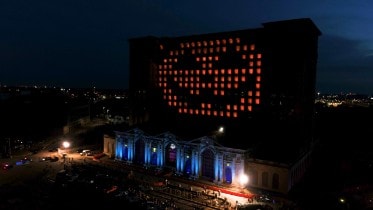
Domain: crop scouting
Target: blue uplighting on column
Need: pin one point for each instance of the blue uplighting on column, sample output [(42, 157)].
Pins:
[(216, 167)]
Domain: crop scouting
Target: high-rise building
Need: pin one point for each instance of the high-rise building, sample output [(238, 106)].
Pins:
[(258, 83)]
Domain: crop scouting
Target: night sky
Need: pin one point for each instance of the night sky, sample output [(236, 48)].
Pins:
[(84, 43)]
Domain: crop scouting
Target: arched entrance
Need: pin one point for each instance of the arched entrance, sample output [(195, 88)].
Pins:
[(208, 164), (139, 152), (228, 175), (171, 155)]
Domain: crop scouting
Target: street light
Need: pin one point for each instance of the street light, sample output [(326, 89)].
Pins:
[(66, 144), (244, 179)]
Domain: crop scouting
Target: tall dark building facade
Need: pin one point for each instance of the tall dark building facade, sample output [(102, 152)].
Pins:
[(258, 83)]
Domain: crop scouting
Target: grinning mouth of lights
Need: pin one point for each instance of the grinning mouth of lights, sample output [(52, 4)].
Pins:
[(213, 78)]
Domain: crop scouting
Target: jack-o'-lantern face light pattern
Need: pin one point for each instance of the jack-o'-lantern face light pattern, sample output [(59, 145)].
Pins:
[(220, 78)]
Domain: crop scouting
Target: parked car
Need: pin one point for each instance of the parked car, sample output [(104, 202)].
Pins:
[(6, 166)]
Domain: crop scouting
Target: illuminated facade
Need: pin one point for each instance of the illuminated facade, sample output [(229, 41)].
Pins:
[(201, 157), (259, 83), (263, 75)]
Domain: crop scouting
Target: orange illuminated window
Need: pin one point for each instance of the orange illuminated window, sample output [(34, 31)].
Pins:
[(229, 78), (210, 65), (160, 67), (221, 114), (203, 85), (215, 85), (257, 85), (222, 92), (215, 113), (182, 52), (250, 101), (203, 58), (180, 72), (169, 103), (197, 85), (238, 40), (208, 112), (204, 65), (160, 84), (244, 47), (169, 91), (258, 70), (251, 71), (187, 45), (228, 114), (175, 103), (196, 111), (165, 60), (170, 66), (169, 98), (165, 72), (209, 85), (161, 47), (193, 51), (244, 57), (202, 105), (243, 78), (228, 107), (242, 107), (238, 48), (259, 63), (160, 72), (186, 79), (224, 41), (175, 72), (164, 91), (164, 84), (199, 44), (217, 49), (210, 58), (216, 92), (222, 78), (199, 50), (251, 56), (203, 112), (234, 114), (190, 111), (185, 110), (217, 42), (235, 107), (197, 72), (252, 47), (191, 78), (197, 78), (204, 43), (211, 43), (180, 84), (236, 78), (164, 66), (243, 71), (242, 100), (180, 79), (209, 106), (257, 94), (191, 85), (250, 93), (204, 50), (229, 71), (258, 78), (216, 71), (170, 60), (250, 108), (230, 40), (210, 71), (176, 52), (164, 97), (229, 86), (203, 72), (251, 64), (257, 101), (186, 85), (180, 110), (224, 49), (221, 85), (259, 56), (197, 92), (236, 71), (192, 44)]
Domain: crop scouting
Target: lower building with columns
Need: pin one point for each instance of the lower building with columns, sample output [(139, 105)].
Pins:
[(203, 159)]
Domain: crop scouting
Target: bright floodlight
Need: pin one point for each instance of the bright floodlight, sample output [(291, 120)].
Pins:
[(221, 129), (244, 179), (66, 144)]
